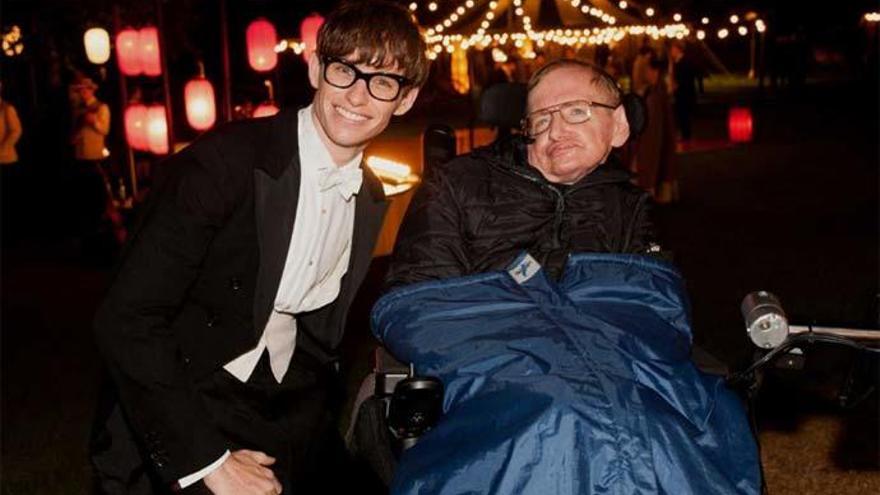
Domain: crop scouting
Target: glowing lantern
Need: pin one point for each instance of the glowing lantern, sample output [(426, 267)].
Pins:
[(739, 125), (149, 51), (261, 41), (308, 31), (157, 130), (128, 52), (460, 80), (201, 112), (97, 43), (136, 127), (267, 109)]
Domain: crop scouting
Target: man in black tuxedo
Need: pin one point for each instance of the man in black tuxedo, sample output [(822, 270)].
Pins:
[(220, 327)]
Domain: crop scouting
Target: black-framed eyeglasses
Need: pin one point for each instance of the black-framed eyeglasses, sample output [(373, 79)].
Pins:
[(573, 112), (381, 85)]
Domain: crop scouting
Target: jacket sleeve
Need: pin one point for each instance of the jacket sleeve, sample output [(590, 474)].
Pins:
[(430, 244), (133, 324)]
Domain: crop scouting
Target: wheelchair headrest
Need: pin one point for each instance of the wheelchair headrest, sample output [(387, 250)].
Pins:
[(636, 113), (503, 105), (438, 146)]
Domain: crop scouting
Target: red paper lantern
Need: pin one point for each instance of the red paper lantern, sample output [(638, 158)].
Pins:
[(265, 110), (200, 109), (157, 130), (149, 51), (261, 41), (308, 31), (739, 124), (128, 54), (136, 127)]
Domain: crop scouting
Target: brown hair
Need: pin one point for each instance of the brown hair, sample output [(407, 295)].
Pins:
[(600, 78), (381, 33)]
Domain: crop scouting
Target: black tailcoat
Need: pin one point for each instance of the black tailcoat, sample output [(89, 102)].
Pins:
[(199, 277)]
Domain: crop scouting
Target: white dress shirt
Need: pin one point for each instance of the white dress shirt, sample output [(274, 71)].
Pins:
[(317, 259)]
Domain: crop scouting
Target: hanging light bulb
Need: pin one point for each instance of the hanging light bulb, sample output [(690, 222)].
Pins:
[(97, 44), (128, 52), (151, 62), (157, 130), (136, 127), (261, 40), (267, 108), (200, 105)]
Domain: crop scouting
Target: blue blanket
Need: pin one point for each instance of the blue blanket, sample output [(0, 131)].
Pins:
[(572, 387)]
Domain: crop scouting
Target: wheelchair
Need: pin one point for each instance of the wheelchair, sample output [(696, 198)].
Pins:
[(394, 407)]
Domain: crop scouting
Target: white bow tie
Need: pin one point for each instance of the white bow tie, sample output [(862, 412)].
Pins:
[(346, 180)]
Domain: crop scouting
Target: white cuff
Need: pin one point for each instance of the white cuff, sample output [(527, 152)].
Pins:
[(198, 475)]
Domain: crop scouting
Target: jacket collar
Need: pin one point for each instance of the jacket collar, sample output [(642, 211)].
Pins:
[(280, 144), (280, 148), (510, 154)]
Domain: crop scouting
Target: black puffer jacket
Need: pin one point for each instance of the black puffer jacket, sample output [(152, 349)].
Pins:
[(479, 211)]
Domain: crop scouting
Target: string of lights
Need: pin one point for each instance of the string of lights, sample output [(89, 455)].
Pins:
[(522, 33), (590, 9), (678, 29), (13, 44), (450, 20)]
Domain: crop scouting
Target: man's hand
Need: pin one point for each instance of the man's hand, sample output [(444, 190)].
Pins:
[(244, 472)]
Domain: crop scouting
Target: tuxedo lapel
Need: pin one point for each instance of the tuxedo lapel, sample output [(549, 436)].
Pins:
[(276, 201)]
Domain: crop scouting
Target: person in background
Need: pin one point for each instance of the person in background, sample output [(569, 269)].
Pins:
[(91, 187), (655, 148), (10, 132), (640, 81), (91, 123), (682, 77)]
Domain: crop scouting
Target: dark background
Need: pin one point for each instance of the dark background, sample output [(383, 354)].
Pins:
[(794, 212)]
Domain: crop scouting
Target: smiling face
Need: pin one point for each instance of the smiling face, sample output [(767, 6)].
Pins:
[(349, 118), (565, 153)]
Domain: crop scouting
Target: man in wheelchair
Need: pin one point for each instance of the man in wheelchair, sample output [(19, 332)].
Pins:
[(552, 190), (520, 280)]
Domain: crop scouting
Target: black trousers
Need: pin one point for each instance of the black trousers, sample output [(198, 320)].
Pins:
[(294, 422)]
